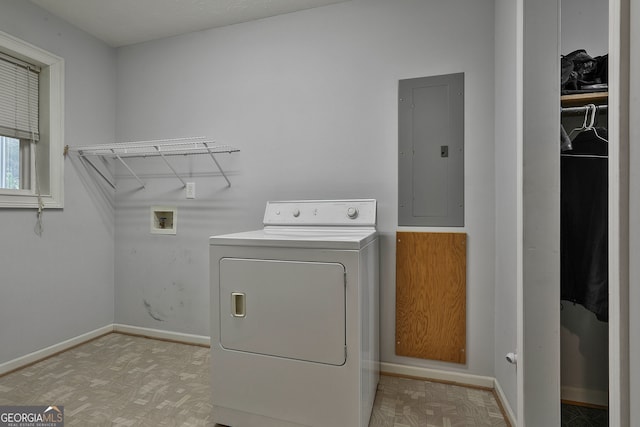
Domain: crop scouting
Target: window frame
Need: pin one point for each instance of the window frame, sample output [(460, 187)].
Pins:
[(51, 145)]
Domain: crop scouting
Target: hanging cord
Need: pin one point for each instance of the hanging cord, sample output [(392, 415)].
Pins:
[(38, 228)]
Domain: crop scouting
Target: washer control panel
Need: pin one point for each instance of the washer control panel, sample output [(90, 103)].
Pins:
[(357, 212)]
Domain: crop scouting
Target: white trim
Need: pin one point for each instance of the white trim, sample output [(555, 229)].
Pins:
[(164, 335), (438, 375), (614, 212), (505, 403), (584, 395), (51, 350), (52, 129), (619, 80), (454, 377), (36, 356), (17, 47), (56, 137), (390, 368), (432, 229), (520, 404), (634, 208)]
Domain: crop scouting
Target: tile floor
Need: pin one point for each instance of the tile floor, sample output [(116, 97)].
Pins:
[(413, 403), (121, 380)]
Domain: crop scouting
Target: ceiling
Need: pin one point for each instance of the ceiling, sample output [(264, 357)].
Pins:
[(124, 22)]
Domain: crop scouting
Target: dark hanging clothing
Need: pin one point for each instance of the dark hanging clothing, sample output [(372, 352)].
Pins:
[(584, 265)]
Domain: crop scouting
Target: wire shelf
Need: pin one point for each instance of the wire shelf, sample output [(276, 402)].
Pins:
[(155, 148), (167, 147)]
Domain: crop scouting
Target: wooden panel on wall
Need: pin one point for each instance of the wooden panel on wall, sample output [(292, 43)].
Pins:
[(431, 295)]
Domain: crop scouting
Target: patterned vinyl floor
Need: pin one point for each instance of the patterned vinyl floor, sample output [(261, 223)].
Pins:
[(121, 380)]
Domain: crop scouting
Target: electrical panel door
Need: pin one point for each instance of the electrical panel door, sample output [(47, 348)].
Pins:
[(431, 151)]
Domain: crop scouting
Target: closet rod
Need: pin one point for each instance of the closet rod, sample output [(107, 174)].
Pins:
[(584, 108)]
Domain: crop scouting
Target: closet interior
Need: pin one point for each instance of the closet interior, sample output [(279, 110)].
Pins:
[(584, 212)]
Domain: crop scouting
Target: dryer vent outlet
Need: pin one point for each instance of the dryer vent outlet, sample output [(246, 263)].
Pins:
[(163, 220)]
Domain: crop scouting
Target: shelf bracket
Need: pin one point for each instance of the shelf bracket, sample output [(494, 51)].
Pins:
[(128, 168), (184, 184), (98, 171), (217, 164)]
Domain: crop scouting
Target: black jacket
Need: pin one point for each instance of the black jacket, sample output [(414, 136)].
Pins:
[(584, 248)]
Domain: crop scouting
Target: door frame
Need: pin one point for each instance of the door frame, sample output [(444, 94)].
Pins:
[(538, 376), (619, 66)]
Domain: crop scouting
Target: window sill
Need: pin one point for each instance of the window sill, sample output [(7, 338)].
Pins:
[(24, 199)]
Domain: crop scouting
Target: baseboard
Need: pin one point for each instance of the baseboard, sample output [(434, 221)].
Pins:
[(30, 358), (506, 408), (437, 375), (583, 395), (454, 378), (200, 340), (568, 393), (36, 356)]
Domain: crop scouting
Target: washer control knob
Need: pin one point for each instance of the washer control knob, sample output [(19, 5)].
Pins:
[(352, 213), (296, 213)]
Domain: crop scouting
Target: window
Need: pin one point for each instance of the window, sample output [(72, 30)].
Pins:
[(12, 157), (31, 126)]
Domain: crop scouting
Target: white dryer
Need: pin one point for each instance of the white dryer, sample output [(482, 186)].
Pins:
[(294, 317)]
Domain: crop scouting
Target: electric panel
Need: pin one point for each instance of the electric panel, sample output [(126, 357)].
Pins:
[(431, 151)]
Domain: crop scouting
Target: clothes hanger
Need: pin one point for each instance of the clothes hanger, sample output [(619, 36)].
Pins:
[(590, 114), (588, 125), (594, 112), (584, 122)]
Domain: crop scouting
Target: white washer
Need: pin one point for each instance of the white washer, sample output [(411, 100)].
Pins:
[(294, 317)]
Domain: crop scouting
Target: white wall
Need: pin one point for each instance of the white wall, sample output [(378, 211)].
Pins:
[(507, 187), (60, 285), (585, 25), (311, 99), (584, 350)]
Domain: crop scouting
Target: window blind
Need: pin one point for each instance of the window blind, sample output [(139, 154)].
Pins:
[(18, 98)]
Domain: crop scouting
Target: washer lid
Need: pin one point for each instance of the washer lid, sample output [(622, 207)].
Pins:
[(325, 224), (300, 237)]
